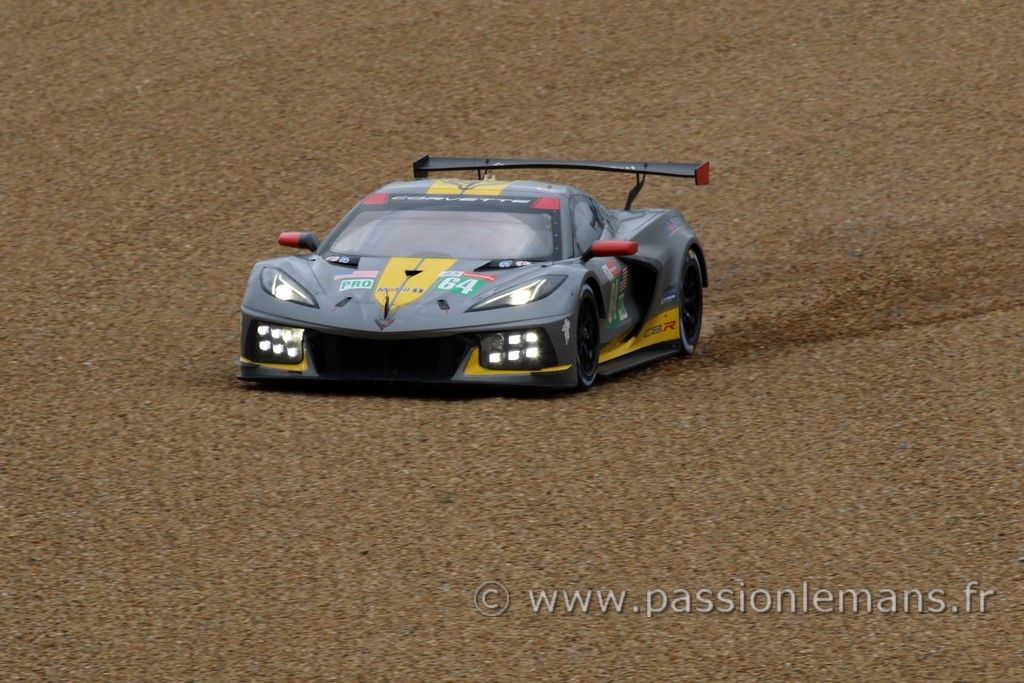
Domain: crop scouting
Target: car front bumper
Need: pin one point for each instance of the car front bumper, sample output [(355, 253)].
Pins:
[(434, 357)]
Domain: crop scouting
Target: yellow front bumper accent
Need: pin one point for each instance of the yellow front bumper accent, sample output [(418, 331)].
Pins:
[(474, 369), (290, 367)]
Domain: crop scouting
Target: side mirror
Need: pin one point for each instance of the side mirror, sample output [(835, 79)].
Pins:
[(299, 240), (611, 248)]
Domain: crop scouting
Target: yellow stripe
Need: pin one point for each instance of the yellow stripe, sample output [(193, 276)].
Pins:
[(402, 289), (487, 188), (661, 328), (297, 367), (470, 188), (444, 187), (474, 368)]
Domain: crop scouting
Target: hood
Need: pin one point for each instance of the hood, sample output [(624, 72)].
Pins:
[(405, 293)]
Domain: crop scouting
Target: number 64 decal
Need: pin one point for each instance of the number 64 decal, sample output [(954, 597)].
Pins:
[(459, 285)]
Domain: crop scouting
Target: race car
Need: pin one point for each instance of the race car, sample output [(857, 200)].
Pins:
[(481, 281)]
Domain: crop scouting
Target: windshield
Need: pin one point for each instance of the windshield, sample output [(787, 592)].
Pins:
[(446, 231)]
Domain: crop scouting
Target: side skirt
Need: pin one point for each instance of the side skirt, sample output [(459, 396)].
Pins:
[(638, 358)]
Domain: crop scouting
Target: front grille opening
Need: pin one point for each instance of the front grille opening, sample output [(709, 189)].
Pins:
[(388, 359)]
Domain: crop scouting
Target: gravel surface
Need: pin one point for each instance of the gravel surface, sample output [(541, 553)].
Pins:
[(854, 418)]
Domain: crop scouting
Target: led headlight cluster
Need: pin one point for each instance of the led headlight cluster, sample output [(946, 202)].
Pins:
[(520, 350), (524, 294), (275, 343), (284, 287)]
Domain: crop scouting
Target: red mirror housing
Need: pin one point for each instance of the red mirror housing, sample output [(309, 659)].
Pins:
[(612, 248), (299, 240)]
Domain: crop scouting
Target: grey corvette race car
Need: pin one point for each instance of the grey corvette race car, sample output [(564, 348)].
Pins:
[(480, 281)]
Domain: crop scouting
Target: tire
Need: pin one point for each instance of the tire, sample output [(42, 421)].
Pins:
[(588, 339), (691, 304)]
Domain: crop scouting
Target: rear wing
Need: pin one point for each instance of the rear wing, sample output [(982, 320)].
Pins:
[(701, 173)]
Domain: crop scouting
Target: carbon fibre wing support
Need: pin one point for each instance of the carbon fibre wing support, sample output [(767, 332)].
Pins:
[(701, 172)]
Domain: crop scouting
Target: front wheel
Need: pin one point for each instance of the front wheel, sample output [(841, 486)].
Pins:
[(588, 342), (691, 304)]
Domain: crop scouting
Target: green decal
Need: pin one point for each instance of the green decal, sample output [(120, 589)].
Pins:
[(466, 286), (613, 311), (618, 312), (356, 283)]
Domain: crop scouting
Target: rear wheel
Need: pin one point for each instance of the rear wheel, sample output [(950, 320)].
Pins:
[(588, 340), (691, 304)]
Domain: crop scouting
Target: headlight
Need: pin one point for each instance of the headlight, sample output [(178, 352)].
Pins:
[(270, 343), (518, 350), (285, 288), (531, 291)]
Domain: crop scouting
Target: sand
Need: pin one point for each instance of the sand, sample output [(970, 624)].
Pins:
[(853, 419)]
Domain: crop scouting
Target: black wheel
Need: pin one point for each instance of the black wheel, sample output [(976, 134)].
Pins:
[(691, 304), (588, 342)]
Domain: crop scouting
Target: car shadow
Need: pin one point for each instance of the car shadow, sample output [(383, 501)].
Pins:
[(436, 392)]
